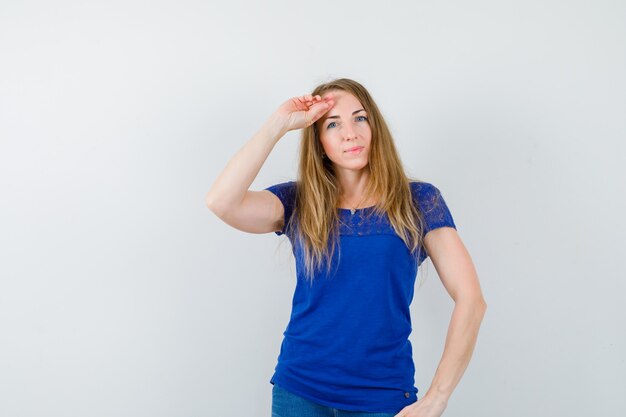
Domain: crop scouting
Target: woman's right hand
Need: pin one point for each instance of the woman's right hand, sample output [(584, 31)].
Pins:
[(303, 111)]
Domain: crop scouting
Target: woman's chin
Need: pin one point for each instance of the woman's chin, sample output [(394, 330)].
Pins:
[(352, 165)]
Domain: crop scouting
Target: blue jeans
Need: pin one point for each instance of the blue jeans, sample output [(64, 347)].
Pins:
[(288, 404)]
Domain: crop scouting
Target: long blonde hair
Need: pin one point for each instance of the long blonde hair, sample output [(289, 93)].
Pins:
[(315, 223)]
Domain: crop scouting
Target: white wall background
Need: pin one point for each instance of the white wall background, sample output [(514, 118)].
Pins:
[(121, 294)]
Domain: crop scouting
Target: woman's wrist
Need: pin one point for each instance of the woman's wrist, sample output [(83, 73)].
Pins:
[(437, 396), (274, 126)]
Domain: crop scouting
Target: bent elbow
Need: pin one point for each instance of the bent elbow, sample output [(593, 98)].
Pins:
[(212, 205), (483, 306)]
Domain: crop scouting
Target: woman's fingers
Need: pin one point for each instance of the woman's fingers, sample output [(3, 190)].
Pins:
[(309, 99), (316, 111), (309, 108)]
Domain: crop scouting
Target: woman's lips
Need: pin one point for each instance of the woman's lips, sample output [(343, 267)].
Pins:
[(355, 150)]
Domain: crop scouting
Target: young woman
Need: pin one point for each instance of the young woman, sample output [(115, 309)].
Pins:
[(359, 229)]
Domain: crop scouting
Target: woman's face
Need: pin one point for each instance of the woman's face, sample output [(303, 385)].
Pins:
[(343, 127)]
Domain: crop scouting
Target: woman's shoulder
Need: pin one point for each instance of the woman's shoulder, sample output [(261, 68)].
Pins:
[(285, 191), (422, 187), (425, 193), (283, 186)]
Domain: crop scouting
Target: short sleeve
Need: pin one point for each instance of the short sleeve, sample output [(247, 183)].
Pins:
[(286, 193), (433, 207)]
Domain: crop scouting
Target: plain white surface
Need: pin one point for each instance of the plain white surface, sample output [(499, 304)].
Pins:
[(121, 294)]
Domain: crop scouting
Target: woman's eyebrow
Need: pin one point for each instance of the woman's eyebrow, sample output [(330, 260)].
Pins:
[(337, 116)]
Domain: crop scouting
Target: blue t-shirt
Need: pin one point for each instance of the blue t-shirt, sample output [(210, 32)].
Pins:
[(347, 342)]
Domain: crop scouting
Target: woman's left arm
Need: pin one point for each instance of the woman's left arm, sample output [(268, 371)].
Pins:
[(456, 270)]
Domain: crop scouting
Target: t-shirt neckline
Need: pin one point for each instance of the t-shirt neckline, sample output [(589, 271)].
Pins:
[(359, 209)]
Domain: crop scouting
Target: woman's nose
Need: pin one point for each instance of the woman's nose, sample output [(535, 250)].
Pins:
[(348, 132)]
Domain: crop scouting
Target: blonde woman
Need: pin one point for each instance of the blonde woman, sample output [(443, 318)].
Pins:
[(359, 229)]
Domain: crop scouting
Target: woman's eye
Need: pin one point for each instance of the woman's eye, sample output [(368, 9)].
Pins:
[(331, 123)]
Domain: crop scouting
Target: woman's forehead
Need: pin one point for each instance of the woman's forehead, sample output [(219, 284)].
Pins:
[(342, 98), (337, 94)]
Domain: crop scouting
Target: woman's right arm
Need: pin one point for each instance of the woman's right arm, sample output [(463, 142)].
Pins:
[(230, 198)]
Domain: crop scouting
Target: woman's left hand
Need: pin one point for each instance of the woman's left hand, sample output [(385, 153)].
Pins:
[(427, 406)]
